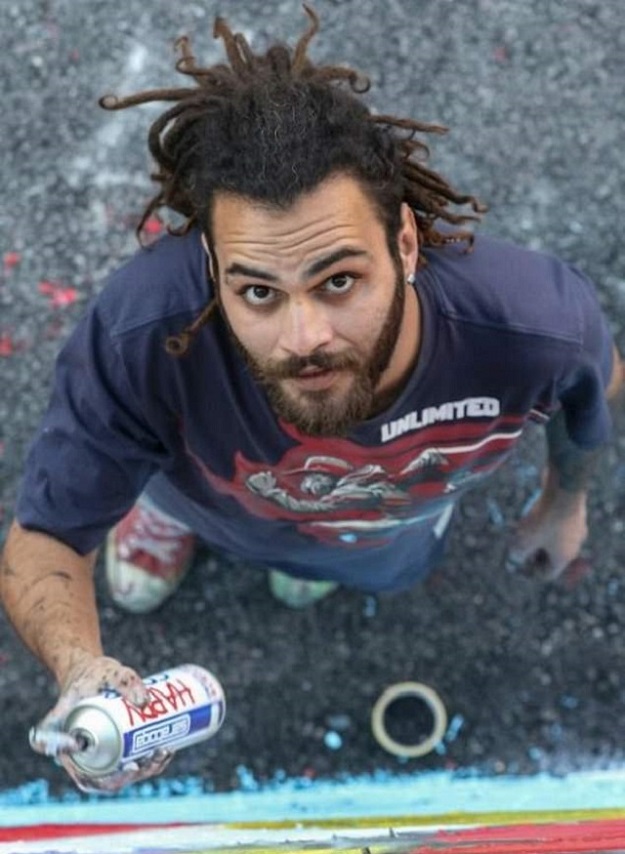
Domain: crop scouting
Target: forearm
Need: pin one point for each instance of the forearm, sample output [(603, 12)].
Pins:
[(48, 594)]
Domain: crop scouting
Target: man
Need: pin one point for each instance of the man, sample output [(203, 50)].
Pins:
[(308, 373)]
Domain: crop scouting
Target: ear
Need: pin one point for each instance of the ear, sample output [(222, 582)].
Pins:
[(408, 241), (212, 267)]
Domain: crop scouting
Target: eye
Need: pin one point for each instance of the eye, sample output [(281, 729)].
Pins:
[(339, 284), (258, 294)]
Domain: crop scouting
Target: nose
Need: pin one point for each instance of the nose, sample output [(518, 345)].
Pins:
[(305, 328)]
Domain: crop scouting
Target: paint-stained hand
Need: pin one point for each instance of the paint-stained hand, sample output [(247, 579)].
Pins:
[(548, 539), (132, 772), (87, 677)]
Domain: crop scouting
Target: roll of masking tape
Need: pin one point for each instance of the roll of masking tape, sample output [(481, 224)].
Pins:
[(409, 690)]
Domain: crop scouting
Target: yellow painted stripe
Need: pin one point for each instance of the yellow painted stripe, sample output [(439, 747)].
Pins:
[(455, 818)]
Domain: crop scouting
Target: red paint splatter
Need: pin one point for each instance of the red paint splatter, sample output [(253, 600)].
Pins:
[(7, 345), (58, 295), (11, 259), (153, 226)]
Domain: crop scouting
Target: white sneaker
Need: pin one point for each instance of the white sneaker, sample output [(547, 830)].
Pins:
[(148, 554), (298, 592)]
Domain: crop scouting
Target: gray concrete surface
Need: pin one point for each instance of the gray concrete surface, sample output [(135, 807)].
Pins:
[(533, 94)]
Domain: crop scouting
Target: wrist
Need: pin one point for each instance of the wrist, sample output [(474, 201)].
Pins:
[(557, 496), (65, 663)]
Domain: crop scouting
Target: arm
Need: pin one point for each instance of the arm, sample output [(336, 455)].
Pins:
[(48, 594), (47, 591), (550, 537)]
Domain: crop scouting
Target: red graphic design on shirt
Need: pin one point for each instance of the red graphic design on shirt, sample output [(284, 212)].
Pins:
[(338, 491)]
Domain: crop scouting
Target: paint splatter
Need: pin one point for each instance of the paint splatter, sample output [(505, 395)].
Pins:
[(11, 259), (58, 295)]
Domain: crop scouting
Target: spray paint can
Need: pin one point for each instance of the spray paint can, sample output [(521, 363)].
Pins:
[(186, 706)]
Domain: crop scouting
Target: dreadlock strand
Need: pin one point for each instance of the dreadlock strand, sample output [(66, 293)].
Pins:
[(178, 345), (222, 31), (409, 124), (244, 50), (358, 83), (114, 102), (300, 58), (432, 181)]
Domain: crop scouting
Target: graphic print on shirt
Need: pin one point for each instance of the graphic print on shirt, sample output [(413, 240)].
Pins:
[(340, 492)]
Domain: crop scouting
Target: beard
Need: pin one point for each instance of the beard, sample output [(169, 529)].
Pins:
[(325, 413)]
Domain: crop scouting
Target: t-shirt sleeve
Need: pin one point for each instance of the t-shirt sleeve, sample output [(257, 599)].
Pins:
[(93, 452), (582, 391)]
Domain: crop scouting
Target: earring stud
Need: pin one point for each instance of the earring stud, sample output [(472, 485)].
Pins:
[(410, 279)]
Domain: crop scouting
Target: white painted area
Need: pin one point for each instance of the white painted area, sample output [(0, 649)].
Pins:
[(191, 839)]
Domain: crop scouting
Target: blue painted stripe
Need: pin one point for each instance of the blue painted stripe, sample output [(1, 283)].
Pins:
[(428, 794)]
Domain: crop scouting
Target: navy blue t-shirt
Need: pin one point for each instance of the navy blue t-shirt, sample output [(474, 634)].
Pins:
[(508, 335)]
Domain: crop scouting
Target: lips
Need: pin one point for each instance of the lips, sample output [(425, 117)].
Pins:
[(315, 379)]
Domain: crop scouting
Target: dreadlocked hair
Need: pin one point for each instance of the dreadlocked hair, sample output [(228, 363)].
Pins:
[(272, 126)]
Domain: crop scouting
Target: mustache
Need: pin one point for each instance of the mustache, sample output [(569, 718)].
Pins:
[(293, 366)]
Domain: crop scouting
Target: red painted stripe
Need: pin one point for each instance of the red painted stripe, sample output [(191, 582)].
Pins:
[(60, 831), (584, 837), (572, 838)]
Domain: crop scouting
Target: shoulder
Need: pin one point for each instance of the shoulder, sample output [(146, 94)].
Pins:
[(502, 284), (165, 280)]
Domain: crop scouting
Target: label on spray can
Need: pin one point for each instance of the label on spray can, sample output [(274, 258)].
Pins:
[(186, 705)]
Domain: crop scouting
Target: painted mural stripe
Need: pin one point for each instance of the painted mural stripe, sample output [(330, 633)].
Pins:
[(375, 798), (63, 831), (555, 838)]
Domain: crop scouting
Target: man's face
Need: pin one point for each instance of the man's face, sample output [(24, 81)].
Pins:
[(317, 303)]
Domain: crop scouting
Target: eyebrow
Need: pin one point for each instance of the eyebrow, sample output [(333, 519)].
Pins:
[(315, 268)]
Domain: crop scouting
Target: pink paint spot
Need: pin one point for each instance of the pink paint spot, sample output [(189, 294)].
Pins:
[(11, 259), (7, 345), (59, 296), (153, 226)]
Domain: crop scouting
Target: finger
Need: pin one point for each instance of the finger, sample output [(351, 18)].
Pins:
[(132, 772), (129, 684), (157, 761)]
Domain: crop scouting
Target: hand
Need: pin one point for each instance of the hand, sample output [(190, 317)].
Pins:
[(133, 772), (548, 539), (86, 677)]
